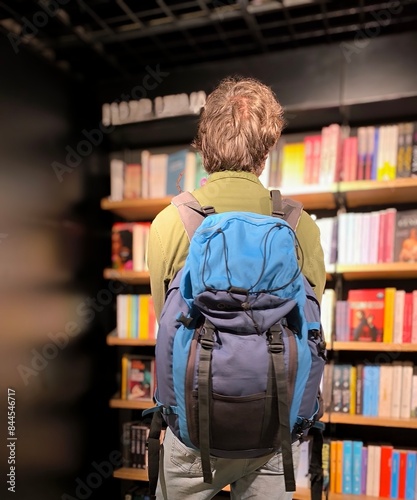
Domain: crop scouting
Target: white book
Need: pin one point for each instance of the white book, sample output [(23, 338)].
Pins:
[(413, 412), (377, 471), (397, 373), (114, 112), (158, 170), (121, 316), (138, 247), (357, 251), (144, 160), (190, 172), (406, 388), (124, 112), (342, 220), (106, 114), (116, 179), (374, 237), (385, 390), (145, 111), (370, 470)]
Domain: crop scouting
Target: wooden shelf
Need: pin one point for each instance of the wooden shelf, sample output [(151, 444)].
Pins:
[(356, 193), (113, 339), (129, 277), (394, 270), (404, 423), (365, 193), (131, 474), (144, 404), (313, 197), (141, 209), (373, 346)]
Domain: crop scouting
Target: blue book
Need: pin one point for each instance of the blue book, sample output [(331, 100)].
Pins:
[(395, 473), (410, 476), (367, 390), (375, 155), (375, 392), (364, 470), (175, 171), (347, 467), (357, 467)]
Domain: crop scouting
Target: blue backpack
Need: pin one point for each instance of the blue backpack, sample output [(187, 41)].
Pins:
[(240, 352)]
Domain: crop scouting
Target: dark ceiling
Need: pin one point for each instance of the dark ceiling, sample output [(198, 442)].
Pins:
[(109, 39)]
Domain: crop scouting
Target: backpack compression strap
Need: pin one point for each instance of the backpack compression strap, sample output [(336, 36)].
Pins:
[(286, 208)]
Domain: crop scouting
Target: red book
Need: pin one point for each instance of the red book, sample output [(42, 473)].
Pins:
[(366, 322), (408, 318), (402, 474), (385, 475)]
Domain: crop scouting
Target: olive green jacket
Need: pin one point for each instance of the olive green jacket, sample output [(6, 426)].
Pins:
[(226, 191)]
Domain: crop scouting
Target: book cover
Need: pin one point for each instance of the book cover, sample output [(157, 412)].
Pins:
[(366, 314), (395, 473), (140, 377), (347, 471), (122, 245), (326, 464), (385, 474), (411, 475), (357, 466), (405, 239)]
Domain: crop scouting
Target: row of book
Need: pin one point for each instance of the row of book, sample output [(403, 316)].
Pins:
[(136, 317), (155, 175), (386, 390), (371, 315), (375, 153), (129, 241), (376, 470), (134, 449), (138, 110), (137, 377), (384, 315), (376, 237)]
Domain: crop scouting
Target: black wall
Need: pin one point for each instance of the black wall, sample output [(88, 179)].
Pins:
[(51, 258)]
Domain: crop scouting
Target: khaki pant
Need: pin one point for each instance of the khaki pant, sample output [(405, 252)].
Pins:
[(181, 477)]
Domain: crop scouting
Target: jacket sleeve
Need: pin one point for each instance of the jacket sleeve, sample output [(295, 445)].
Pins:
[(308, 235), (157, 266)]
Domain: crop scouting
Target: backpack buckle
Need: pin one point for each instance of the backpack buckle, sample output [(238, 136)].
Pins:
[(275, 343), (207, 343), (208, 210)]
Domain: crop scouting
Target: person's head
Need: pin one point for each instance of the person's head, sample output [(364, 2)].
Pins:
[(239, 124)]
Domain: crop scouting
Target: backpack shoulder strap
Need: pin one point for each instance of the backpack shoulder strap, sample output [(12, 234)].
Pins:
[(190, 211), (286, 208)]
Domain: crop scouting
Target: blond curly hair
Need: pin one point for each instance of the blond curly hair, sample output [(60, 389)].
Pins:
[(240, 123)]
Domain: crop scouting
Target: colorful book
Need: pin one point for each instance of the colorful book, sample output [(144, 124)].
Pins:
[(366, 314)]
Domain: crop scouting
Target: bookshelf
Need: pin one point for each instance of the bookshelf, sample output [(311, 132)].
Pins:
[(342, 195), (126, 404), (113, 339), (129, 277), (356, 194)]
